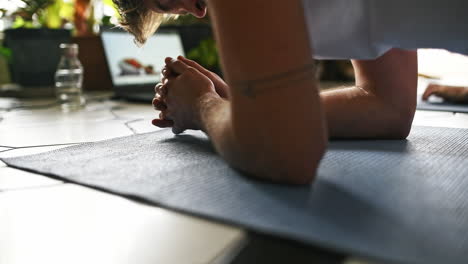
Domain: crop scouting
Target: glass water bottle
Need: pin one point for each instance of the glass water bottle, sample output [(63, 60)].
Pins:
[(69, 79)]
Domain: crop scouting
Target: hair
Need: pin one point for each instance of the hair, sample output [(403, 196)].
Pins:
[(138, 20)]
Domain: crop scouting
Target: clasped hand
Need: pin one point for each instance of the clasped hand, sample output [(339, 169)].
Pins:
[(180, 96)]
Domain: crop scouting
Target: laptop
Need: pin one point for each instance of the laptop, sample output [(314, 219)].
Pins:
[(136, 70)]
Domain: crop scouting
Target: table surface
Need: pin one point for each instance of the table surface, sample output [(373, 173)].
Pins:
[(44, 220)]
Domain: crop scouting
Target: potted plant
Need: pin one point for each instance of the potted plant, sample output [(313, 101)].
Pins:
[(34, 39)]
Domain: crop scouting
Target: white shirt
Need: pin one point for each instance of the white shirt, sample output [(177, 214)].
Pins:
[(366, 29)]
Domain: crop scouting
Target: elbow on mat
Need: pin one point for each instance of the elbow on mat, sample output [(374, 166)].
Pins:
[(298, 166)]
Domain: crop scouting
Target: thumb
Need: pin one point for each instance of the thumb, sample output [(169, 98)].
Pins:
[(195, 65), (220, 85), (429, 91)]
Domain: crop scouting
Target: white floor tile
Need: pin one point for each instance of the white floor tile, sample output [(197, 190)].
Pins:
[(7, 103), (135, 111), (432, 114), (462, 116), (143, 126), (54, 115), (62, 133), (72, 224), (11, 179), (440, 119)]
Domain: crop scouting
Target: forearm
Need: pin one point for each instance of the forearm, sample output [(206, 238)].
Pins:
[(216, 122), (216, 119), (273, 126), (355, 112), (382, 104), (275, 155)]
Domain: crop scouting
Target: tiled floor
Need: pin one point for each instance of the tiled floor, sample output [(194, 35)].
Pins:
[(12, 179), (3, 149), (43, 220), (441, 119), (72, 224), (62, 133), (57, 222)]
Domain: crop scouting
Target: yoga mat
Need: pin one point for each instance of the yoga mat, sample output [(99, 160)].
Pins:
[(392, 201), (442, 106)]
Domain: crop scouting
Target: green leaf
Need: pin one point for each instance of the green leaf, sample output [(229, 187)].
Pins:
[(6, 53), (67, 10), (205, 53), (21, 23), (56, 13)]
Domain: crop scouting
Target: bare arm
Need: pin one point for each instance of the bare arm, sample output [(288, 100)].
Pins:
[(272, 126), (454, 94), (382, 104)]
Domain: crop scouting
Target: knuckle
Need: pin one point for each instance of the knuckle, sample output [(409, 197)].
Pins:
[(157, 87), (178, 63), (167, 115), (191, 70), (163, 90), (155, 101)]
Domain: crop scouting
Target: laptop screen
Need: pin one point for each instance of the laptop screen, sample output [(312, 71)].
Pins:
[(133, 65)]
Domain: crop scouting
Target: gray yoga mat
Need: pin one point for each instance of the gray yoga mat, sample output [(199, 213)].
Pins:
[(442, 106), (394, 201)]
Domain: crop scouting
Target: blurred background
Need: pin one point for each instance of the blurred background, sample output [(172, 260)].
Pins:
[(31, 31)]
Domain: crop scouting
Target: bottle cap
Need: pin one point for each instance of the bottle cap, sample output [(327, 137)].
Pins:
[(69, 49)]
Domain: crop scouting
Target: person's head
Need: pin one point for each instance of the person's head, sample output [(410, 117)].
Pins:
[(143, 17)]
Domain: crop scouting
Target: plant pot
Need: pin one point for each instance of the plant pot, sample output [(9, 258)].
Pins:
[(35, 54), (91, 54)]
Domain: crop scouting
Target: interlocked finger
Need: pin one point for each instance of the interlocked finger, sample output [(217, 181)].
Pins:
[(157, 88), (158, 104), (161, 89), (164, 115), (165, 72), (161, 116), (176, 66)]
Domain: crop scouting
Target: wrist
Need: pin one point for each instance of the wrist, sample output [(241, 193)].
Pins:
[(206, 105)]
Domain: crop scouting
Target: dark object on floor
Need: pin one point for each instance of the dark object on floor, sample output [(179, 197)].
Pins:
[(36, 54), (394, 201), (262, 249)]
